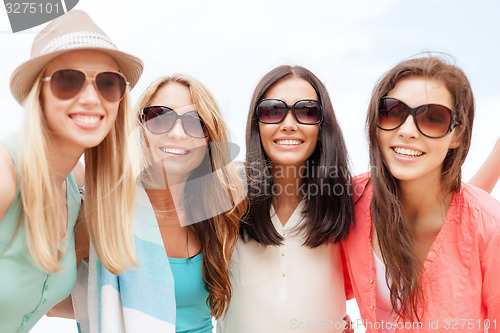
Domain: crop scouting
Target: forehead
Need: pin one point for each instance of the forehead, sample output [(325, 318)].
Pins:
[(416, 91), (174, 95), (83, 59), (291, 89)]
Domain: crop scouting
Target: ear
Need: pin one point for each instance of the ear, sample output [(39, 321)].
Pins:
[(455, 143)]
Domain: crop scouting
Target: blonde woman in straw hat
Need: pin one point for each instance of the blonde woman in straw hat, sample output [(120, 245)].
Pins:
[(75, 92)]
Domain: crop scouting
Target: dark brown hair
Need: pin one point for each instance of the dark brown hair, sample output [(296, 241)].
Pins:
[(328, 216), (395, 236)]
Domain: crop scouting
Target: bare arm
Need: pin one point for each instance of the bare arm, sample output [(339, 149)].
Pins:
[(489, 173), (8, 176), (63, 309)]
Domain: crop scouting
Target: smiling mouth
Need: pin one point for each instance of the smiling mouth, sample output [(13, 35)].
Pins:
[(407, 152), (174, 151), (289, 142), (86, 119)]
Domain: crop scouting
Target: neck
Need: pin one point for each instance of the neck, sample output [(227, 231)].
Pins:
[(173, 184), (287, 181), (424, 201), (62, 159), (166, 212), (166, 196)]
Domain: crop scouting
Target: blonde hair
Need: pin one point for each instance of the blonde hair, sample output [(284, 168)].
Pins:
[(110, 195), (110, 190), (217, 235)]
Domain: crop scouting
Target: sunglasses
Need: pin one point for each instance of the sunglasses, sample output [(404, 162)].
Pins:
[(274, 111), (67, 83), (161, 119), (432, 120)]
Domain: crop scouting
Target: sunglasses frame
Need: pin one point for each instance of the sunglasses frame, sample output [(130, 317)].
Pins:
[(142, 117), (88, 77), (290, 108), (413, 112)]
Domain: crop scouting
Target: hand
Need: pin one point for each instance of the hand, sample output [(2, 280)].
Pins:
[(348, 324)]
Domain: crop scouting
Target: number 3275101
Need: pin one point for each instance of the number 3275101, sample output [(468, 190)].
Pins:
[(469, 324), (32, 8)]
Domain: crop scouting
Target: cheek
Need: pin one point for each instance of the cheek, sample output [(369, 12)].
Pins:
[(315, 132), (53, 109), (150, 139), (311, 133), (381, 138), (46, 102), (265, 131), (200, 155), (199, 144), (444, 151), (112, 109)]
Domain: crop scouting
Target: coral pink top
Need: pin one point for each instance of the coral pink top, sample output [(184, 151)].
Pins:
[(462, 287)]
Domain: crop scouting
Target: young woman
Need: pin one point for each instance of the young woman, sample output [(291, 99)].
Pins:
[(286, 270), (188, 209), (74, 91), (424, 253)]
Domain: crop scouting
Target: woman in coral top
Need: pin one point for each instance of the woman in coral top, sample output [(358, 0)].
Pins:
[(424, 253)]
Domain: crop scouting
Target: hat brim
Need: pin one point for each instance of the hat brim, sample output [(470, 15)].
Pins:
[(23, 77)]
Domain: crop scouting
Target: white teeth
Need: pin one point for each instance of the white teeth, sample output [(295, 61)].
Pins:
[(407, 152), (174, 151), (288, 142), (84, 119)]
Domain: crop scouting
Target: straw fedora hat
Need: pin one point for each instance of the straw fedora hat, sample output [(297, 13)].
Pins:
[(74, 30)]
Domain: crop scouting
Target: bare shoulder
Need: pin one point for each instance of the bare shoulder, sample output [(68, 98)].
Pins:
[(79, 173), (8, 182)]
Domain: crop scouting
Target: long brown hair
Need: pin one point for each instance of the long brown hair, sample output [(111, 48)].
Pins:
[(394, 234), (218, 234), (328, 216)]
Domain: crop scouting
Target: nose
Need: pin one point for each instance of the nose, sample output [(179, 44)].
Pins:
[(289, 123), (177, 132), (89, 95), (408, 129)]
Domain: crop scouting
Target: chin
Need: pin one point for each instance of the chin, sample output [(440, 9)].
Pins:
[(404, 175), (92, 143), (177, 169), (90, 140)]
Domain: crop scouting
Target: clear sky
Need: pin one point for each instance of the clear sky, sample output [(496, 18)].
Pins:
[(230, 45)]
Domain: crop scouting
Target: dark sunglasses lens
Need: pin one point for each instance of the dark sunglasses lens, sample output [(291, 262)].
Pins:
[(308, 112), (271, 111), (391, 113), (66, 83), (193, 125), (159, 119), (433, 120), (111, 85)]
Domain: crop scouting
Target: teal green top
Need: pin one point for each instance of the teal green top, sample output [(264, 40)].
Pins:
[(26, 292), (192, 312)]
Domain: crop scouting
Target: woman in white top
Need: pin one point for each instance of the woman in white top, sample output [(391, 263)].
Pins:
[(286, 270)]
